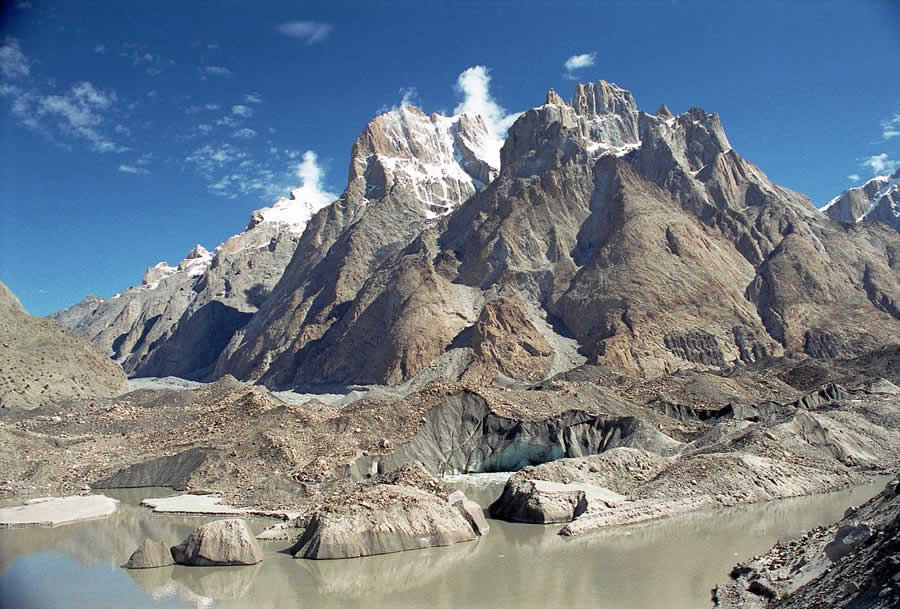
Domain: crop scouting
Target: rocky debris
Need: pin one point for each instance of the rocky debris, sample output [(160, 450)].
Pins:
[(853, 563), (220, 543), (55, 511), (261, 454), (150, 554), (380, 520), (797, 452), (42, 363)]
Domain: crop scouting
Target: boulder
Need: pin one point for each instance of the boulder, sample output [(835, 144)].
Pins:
[(382, 519), (538, 501), (219, 543), (847, 539), (471, 511), (150, 554)]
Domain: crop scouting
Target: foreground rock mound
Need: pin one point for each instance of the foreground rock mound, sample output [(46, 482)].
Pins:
[(381, 520), (220, 543), (853, 563), (41, 362), (149, 555)]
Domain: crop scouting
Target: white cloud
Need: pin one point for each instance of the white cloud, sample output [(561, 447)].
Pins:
[(217, 71), (133, 169), (244, 133), (576, 62), (253, 98), (122, 130), (79, 113), (880, 163), (13, 63), (853, 177), (311, 176), (209, 159), (310, 32), (100, 48), (473, 84), (891, 127), (240, 110), (152, 93)]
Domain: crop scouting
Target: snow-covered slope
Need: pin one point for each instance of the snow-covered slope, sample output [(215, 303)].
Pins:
[(878, 200)]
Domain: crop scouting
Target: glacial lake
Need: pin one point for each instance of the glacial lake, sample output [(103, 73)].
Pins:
[(667, 564)]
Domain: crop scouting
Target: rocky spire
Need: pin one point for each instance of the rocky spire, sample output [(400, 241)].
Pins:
[(664, 112), (553, 98)]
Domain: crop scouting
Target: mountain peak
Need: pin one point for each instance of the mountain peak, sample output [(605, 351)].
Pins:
[(439, 160)]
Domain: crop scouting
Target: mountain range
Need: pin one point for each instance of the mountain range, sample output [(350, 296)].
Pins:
[(595, 233)]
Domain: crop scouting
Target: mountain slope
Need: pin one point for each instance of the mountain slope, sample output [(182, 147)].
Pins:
[(645, 238), (42, 362), (878, 200), (180, 318), (406, 169)]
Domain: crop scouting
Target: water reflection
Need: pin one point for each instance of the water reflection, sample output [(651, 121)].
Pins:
[(678, 560)]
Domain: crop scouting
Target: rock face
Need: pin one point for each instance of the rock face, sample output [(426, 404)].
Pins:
[(220, 543), (471, 511), (150, 554), (878, 200), (406, 169), (42, 362), (381, 520), (644, 241)]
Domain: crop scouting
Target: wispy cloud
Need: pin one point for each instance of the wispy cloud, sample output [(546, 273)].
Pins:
[(132, 169), (100, 48), (245, 133), (891, 127), (310, 32), (216, 70), (253, 98), (13, 63), (474, 87), (80, 112), (209, 159), (853, 177), (241, 110), (880, 163)]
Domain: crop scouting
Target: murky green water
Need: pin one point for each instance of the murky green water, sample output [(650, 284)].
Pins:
[(671, 563)]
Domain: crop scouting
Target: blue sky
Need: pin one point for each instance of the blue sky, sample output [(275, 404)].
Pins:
[(132, 130)]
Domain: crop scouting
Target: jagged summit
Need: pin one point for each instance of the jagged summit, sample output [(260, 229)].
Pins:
[(878, 200), (440, 160), (610, 235), (597, 233)]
